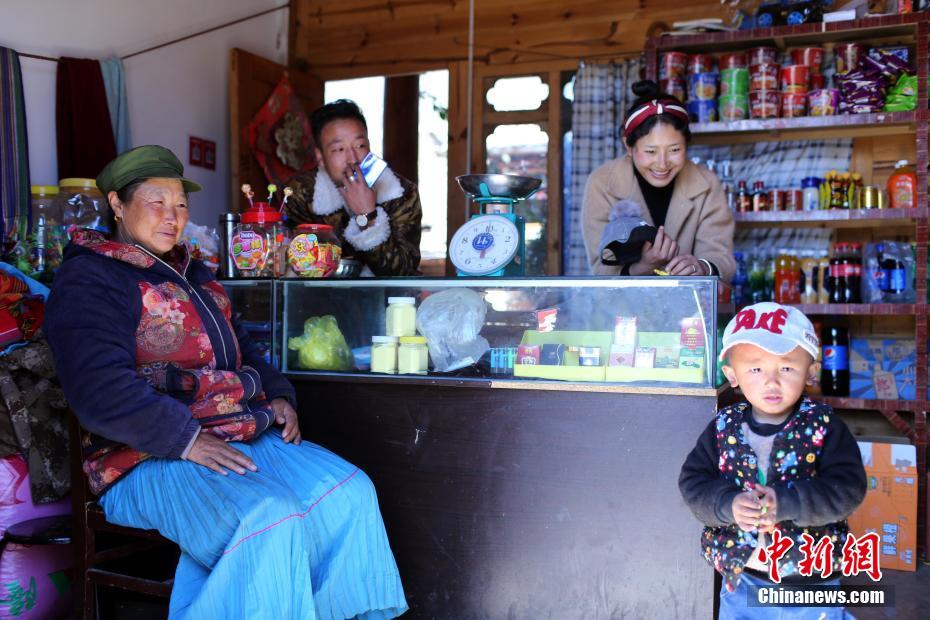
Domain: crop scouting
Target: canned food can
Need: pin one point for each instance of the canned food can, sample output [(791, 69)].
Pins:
[(872, 197), (777, 199), (794, 200)]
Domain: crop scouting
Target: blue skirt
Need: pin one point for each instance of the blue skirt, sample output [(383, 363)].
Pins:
[(300, 538)]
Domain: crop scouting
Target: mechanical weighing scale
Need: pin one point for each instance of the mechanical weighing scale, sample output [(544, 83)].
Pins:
[(492, 243)]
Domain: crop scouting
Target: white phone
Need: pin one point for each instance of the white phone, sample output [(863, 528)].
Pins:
[(372, 167)]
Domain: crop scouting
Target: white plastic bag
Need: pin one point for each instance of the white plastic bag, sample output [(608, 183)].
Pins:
[(452, 320), (203, 244)]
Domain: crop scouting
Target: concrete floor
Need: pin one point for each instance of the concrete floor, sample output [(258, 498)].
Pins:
[(911, 592)]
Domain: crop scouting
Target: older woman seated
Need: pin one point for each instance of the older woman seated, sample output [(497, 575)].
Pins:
[(191, 433)]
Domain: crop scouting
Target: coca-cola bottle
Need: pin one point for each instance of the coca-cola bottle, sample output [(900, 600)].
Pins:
[(834, 373)]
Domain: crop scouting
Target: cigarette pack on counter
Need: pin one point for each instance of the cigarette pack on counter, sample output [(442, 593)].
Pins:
[(551, 354), (625, 332), (667, 356), (691, 359), (645, 357), (621, 356), (692, 333), (528, 354), (589, 356)]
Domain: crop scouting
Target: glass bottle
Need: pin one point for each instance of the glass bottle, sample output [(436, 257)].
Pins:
[(412, 356), (384, 354), (401, 316), (834, 374)]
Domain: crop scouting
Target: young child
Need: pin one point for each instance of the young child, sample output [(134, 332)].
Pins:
[(779, 461)]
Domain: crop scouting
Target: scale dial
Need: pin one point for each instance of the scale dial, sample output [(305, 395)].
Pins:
[(484, 245)]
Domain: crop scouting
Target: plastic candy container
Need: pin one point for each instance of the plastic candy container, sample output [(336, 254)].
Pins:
[(314, 251), (82, 205), (257, 245)]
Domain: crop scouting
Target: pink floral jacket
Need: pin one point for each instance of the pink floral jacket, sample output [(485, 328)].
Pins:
[(150, 355)]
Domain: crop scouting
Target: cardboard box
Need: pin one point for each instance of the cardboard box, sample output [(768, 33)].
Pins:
[(625, 332), (890, 506), (883, 368)]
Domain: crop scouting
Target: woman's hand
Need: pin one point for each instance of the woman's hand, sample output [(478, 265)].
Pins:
[(360, 198), (655, 255), (214, 453), (285, 414), (686, 265)]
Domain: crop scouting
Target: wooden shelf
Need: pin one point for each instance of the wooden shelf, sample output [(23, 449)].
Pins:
[(862, 309), (833, 218), (845, 125), (883, 26), (844, 402)]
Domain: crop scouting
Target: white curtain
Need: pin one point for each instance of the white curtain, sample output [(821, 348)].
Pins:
[(601, 97)]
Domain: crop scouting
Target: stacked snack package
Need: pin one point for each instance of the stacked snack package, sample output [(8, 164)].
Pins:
[(672, 74), (702, 88), (764, 98), (733, 104), (862, 87)]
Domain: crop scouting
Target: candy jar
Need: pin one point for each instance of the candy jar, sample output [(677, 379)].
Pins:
[(257, 245), (314, 251)]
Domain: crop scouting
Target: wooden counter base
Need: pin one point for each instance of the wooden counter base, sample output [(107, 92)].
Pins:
[(526, 503)]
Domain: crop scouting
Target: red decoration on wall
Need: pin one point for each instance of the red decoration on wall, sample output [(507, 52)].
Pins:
[(279, 135)]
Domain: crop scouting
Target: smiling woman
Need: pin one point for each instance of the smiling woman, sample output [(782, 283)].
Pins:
[(680, 204)]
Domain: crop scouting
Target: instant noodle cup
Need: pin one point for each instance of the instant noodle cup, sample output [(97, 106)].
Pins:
[(793, 105), (734, 82), (674, 87), (703, 111), (795, 78), (824, 102), (704, 86), (763, 103), (809, 56), (818, 81), (763, 76), (734, 107), (763, 55), (314, 252), (734, 60), (700, 63), (672, 65), (848, 55)]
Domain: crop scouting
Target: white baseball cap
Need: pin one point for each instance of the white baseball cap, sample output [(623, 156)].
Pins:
[(773, 327)]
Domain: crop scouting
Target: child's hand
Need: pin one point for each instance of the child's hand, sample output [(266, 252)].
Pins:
[(747, 511), (769, 502)]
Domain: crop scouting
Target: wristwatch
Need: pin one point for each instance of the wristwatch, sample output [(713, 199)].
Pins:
[(363, 219)]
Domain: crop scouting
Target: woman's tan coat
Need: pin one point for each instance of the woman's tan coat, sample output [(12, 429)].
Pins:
[(698, 217)]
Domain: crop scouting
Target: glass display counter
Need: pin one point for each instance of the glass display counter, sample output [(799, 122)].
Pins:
[(257, 304), (658, 331)]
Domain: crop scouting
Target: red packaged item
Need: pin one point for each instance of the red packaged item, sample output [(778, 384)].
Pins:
[(794, 200), (809, 56), (763, 55), (817, 81), (764, 103), (848, 55), (777, 199), (700, 63), (528, 354), (673, 65), (734, 60), (763, 76), (673, 86), (793, 105), (794, 78)]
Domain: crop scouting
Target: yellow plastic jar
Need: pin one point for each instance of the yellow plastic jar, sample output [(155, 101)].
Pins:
[(401, 317), (384, 354), (412, 356)]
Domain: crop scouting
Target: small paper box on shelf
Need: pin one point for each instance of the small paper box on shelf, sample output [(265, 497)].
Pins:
[(883, 368), (583, 341)]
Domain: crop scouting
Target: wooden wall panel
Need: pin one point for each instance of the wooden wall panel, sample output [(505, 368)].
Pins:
[(380, 37)]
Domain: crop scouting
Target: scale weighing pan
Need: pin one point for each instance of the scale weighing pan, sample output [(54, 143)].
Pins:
[(508, 186)]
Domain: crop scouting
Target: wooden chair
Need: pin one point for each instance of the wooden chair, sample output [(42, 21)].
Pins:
[(123, 564)]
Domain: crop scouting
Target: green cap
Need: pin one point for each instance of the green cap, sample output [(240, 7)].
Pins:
[(143, 162)]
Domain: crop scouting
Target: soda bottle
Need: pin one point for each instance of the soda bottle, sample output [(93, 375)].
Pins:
[(783, 280), (757, 280), (741, 291), (837, 279), (834, 374), (882, 274), (794, 271), (853, 291)]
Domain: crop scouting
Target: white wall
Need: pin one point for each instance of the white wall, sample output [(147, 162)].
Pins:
[(174, 92)]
